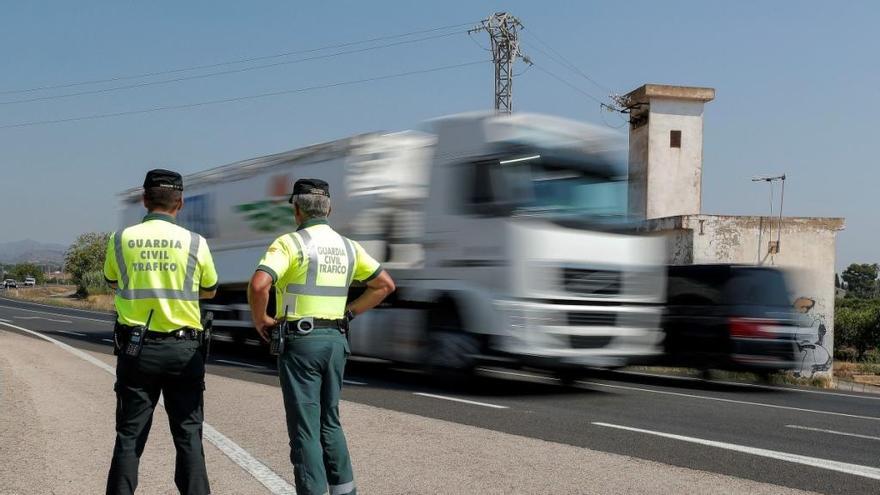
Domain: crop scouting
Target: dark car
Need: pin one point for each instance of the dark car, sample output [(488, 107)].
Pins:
[(730, 317)]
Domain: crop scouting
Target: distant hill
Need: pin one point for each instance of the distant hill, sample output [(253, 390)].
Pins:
[(30, 251)]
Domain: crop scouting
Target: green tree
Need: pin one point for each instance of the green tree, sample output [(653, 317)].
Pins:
[(85, 255), (861, 280), (857, 324), (23, 270)]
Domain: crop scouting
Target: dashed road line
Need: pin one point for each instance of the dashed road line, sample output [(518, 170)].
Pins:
[(70, 332), (262, 473), (456, 399), (239, 363), (53, 314), (730, 401), (353, 382), (750, 385), (842, 467), (833, 432), (54, 307)]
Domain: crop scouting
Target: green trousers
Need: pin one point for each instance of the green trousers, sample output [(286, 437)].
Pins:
[(311, 370)]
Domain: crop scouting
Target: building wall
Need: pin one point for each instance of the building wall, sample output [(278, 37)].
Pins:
[(674, 176), (638, 171), (807, 254)]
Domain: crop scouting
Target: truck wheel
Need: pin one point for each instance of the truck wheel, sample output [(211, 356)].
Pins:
[(569, 378), (449, 348)]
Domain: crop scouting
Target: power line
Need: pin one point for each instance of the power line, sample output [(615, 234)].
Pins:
[(566, 62), (230, 71), (570, 85), (231, 62), (242, 98)]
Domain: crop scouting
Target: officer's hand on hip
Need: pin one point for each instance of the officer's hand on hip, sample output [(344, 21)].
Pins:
[(263, 327)]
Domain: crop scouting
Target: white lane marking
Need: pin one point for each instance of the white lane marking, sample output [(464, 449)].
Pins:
[(833, 432), (842, 467), (28, 317), (53, 314), (54, 307), (525, 375), (271, 480), (107, 340), (731, 401), (456, 399), (69, 332), (353, 382), (753, 385), (238, 363), (4, 319), (687, 378), (58, 321)]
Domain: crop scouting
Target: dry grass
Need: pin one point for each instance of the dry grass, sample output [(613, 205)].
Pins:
[(62, 295), (863, 373), (819, 381)]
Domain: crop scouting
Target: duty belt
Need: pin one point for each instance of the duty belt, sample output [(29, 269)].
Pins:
[(182, 334), (304, 326)]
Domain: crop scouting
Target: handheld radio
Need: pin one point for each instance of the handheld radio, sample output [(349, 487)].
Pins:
[(136, 338), (279, 331)]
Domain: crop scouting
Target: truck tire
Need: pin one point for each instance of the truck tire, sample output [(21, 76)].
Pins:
[(449, 348)]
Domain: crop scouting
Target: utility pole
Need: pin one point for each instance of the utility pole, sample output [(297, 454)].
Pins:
[(502, 28)]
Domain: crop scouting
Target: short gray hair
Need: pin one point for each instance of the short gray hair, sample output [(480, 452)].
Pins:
[(312, 205)]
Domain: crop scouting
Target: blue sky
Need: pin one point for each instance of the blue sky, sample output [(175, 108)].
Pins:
[(795, 85)]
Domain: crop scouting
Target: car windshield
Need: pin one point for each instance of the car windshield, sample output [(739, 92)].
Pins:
[(757, 286), (541, 186)]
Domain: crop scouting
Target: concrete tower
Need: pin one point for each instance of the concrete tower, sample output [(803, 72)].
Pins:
[(666, 150)]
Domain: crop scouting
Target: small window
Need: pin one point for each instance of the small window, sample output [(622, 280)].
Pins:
[(675, 139)]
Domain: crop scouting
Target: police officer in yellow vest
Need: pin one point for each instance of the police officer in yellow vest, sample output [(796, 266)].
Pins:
[(160, 271), (311, 270)]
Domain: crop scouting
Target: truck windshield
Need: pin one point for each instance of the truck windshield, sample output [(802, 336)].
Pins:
[(540, 186)]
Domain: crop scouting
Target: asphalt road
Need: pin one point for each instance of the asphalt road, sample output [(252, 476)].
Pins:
[(821, 441)]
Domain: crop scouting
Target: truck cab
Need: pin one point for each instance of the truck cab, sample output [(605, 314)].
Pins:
[(528, 254)]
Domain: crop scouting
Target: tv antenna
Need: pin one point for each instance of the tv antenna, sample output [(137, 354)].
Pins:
[(773, 246)]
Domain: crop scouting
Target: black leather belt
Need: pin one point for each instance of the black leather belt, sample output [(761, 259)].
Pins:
[(182, 334)]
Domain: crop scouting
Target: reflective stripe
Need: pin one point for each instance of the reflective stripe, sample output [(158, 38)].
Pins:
[(349, 251), (342, 489), (312, 275), (305, 290), (192, 260), (298, 246), (120, 260), (182, 295)]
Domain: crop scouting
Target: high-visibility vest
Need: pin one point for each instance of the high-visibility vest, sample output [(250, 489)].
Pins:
[(159, 266), (312, 270)]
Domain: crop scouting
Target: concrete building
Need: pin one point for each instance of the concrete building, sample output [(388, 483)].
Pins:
[(665, 190)]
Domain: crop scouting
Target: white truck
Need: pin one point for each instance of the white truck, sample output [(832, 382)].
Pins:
[(505, 235)]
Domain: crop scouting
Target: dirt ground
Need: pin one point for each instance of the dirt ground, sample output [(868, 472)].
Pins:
[(61, 295)]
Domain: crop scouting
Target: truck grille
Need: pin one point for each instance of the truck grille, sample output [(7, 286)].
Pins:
[(588, 282), (589, 341), (592, 319)]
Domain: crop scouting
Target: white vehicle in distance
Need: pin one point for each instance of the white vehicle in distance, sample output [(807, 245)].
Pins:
[(10, 284), (30, 282)]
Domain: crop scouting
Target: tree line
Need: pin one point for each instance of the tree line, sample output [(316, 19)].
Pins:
[(857, 314)]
